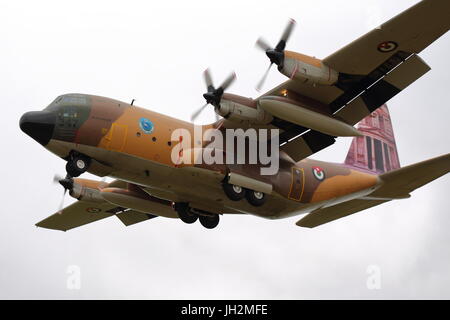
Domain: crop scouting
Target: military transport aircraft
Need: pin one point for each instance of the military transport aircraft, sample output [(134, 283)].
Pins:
[(321, 100)]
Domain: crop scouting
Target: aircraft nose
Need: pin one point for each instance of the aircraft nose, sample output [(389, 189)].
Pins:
[(39, 125)]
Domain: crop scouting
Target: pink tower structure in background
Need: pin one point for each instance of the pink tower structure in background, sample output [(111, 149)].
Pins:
[(376, 151)]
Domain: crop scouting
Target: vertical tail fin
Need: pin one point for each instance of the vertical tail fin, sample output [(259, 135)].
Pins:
[(376, 151)]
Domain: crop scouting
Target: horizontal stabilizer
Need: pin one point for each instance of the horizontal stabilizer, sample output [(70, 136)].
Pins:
[(407, 179), (395, 184), (322, 216)]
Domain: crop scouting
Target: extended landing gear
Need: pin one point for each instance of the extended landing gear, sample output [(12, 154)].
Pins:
[(233, 192), (210, 222), (77, 164), (255, 198), (185, 213), (236, 193), (189, 215)]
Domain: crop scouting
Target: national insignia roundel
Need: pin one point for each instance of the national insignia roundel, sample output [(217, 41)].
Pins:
[(387, 46), (318, 173), (146, 125)]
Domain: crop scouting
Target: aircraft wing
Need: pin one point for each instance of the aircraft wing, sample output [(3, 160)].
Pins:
[(81, 213), (372, 70), (411, 31), (322, 216), (395, 184)]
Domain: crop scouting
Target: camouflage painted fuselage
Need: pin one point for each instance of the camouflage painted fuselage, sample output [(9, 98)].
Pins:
[(112, 134)]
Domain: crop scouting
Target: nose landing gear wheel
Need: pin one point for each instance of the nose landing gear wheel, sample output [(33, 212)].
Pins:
[(77, 165), (255, 198), (210, 222), (184, 212), (233, 192)]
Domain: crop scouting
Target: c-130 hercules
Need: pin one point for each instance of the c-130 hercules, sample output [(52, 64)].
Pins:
[(322, 100)]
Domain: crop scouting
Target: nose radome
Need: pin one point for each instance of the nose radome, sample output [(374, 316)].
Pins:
[(39, 125)]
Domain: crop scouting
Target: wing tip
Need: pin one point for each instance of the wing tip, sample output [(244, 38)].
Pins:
[(305, 224), (40, 225)]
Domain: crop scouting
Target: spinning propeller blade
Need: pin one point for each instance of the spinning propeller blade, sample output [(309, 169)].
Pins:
[(275, 55), (213, 95), (67, 184)]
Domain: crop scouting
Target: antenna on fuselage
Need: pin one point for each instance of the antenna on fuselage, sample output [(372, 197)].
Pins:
[(132, 101)]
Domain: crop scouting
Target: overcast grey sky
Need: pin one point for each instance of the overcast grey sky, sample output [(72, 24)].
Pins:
[(155, 52)]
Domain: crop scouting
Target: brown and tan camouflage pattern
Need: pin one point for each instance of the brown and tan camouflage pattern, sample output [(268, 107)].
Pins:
[(110, 133)]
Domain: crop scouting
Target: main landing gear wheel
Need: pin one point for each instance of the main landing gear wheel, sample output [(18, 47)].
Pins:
[(184, 212), (255, 198), (233, 192), (210, 222), (77, 165)]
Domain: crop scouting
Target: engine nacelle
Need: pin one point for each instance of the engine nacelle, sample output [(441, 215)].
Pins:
[(87, 190), (133, 197), (138, 201), (240, 112), (307, 69)]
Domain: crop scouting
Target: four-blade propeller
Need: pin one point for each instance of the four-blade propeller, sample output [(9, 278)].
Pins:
[(67, 184), (213, 95), (275, 55)]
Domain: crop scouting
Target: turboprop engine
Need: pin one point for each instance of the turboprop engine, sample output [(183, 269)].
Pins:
[(231, 106), (136, 199), (263, 111), (239, 109), (131, 197), (83, 189), (307, 69), (294, 65)]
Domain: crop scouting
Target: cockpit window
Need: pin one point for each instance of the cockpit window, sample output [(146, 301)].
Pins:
[(57, 100), (68, 117), (74, 100)]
